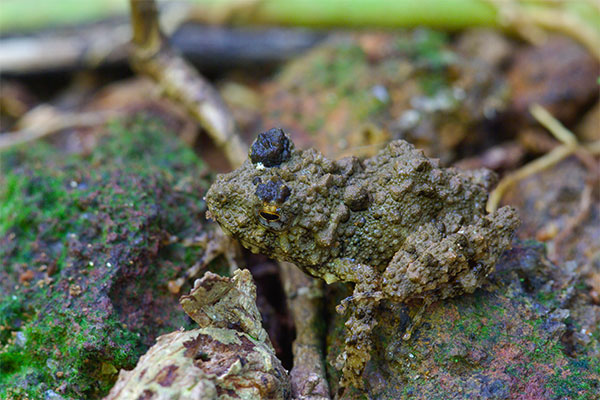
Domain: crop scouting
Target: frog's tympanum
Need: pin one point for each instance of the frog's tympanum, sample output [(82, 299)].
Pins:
[(397, 225)]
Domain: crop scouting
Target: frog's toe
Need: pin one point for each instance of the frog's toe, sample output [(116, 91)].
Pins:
[(360, 297)]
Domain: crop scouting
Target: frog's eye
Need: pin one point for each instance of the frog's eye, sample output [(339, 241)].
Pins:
[(269, 216)]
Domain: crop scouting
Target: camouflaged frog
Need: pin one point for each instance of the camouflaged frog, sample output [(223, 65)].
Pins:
[(396, 225)]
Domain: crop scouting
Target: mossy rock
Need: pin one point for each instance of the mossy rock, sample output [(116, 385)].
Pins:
[(501, 342), (354, 92), (87, 246)]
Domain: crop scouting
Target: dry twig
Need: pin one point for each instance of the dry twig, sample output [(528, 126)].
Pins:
[(46, 120), (532, 22), (569, 146), (304, 298), (152, 56)]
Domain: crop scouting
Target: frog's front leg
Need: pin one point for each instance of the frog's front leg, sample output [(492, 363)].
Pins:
[(366, 281), (348, 270), (358, 343)]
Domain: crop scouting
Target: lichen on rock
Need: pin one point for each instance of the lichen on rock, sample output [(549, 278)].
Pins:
[(228, 357), (222, 302)]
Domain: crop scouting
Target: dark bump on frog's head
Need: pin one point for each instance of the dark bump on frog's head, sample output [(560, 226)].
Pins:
[(274, 191), (271, 148)]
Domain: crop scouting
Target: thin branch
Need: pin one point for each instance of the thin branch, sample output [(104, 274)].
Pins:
[(531, 20), (593, 148), (538, 165), (560, 21), (554, 126), (50, 121), (570, 146), (152, 56), (305, 302)]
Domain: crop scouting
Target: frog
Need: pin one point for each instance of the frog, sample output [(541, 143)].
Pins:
[(397, 226)]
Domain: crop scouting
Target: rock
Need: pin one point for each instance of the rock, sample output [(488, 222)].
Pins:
[(560, 205), (271, 148), (206, 363), (229, 357), (353, 93), (560, 75), (100, 234), (498, 343), (558, 200)]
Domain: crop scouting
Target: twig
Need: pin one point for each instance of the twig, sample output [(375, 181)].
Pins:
[(215, 243), (532, 19), (107, 43), (152, 56), (51, 121), (553, 125), (304, 298), (559, 21), (570, 146), (593, 148), (90, 47), (540, 164)]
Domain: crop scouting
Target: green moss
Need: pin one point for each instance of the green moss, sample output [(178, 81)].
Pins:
[(429, 50), (548, 299), (430, 47), (27, 202), (340, 75), (339, 69), (11, 188), (57, 345), (432, 83), (98, 221), (13, 314), (574, 382)]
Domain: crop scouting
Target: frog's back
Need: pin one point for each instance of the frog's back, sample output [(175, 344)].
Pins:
[(418, 187), (406, 190)]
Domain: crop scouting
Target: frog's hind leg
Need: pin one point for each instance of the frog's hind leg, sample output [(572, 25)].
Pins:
[(434, 264), (427, 268)]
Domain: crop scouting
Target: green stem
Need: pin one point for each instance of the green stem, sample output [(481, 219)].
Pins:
[(579, 19), (30, 15), (450, 14)]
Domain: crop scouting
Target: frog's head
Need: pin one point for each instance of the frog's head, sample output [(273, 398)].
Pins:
[(256, 203)]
